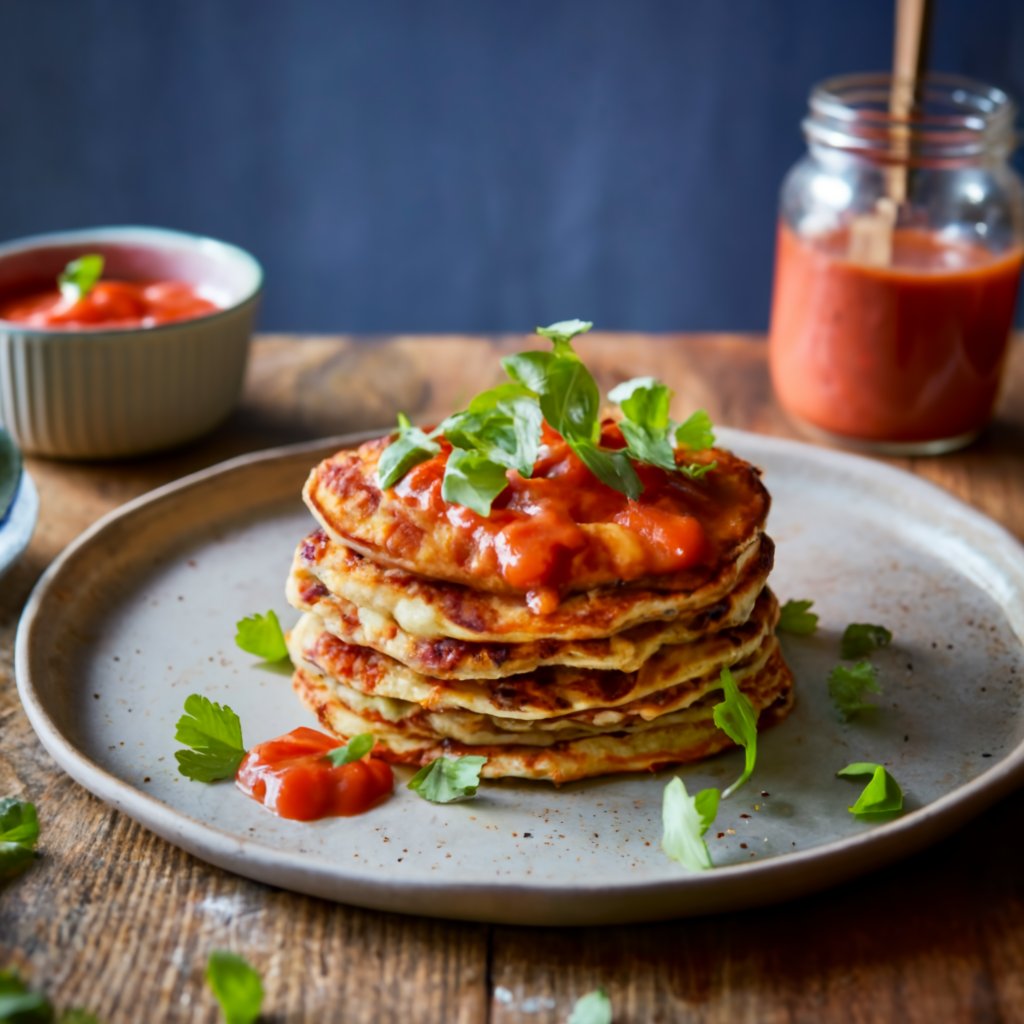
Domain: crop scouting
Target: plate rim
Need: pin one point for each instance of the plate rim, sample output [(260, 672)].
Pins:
[(725, 888)]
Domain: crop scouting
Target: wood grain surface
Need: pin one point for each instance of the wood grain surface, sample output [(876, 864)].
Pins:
[(114, 920)]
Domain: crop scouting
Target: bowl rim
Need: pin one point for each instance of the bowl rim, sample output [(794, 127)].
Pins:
[(140, 234)]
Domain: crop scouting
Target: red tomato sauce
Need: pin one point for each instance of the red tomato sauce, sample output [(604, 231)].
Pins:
[(912, 351), (109, 304), (534, 528), (291, 776)]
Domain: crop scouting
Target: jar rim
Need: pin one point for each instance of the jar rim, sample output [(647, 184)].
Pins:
[(946, 116)]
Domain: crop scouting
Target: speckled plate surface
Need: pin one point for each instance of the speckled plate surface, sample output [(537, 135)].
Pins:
[(140, 612)]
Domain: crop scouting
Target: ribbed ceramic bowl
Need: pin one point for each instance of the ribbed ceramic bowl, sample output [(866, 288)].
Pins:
[(107, 393)]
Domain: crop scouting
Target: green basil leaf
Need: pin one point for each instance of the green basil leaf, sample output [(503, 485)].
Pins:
[(410, 448), (19, 1004), (796, 617), (18, 822), (214, 735), (882, 796), (571, 400), (564, 331), (696, 432), (593, 1008), (356, 748), (645, 402), (736, 717), (529, 369), (860, 638), (847, 685), (685, 819), (644, 446), (611, 467), (473, 480), (79, 277), (448, 779), (262, 635), (236, 986)]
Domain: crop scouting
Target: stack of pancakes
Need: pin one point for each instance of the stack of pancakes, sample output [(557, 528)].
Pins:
[(408, 633)]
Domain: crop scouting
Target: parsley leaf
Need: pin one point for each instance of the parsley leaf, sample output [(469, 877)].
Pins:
[(736, 717), (236, 985), (409, 449), (448, 779), (18, 1003), (645, 421), (593, 1008), (610, 467), (79, 277), (695, 433), (881, 796), (356, 748), (860, 638), (684, 820), (214, 734), (473, 480), (262, 635), (795, 617), (848, 684), (19, 831)]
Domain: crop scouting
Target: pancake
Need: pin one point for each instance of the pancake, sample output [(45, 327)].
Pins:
[(682, 736), (429, 608), (451, 658), (552, 691), (591, 543)]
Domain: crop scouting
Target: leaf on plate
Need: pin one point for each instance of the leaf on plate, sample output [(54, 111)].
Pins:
[(861, 638), (448, 779), (881, 797), (410, 448), (19, 1004), (213, 733), (262, 635), (356, 748), (796, 617), (847, 685), (684, 820), (736, 717)]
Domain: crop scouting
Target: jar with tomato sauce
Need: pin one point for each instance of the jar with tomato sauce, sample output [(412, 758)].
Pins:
[(899, 252)]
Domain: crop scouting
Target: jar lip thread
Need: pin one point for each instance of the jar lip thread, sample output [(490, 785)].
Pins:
[(953, 117)]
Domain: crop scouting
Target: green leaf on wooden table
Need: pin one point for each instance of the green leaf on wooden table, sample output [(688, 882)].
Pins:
[(860, 638), (736, 717), (356, 748), (593, 1008), (847, 685), (448, 779), (80, 276), (881, 797), (19, 831), (214, 734), (236, 985), (796, 617), (684, 820), (19, 1005), (262, 635)]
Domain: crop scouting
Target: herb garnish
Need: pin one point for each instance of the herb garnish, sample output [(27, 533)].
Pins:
[(448, 779), (881, 796), (19, 831), (356, 748), (736, 717), (214, 734), (236, 985), (860, 638), (848, 684), (18, 1003), (262, 635), (684, 820), (500, 430), (593, 1008), (79, 277), (795, 617)]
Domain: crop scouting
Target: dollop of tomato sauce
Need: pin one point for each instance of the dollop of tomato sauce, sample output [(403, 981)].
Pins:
[(109, 304), (535, 526), (292, 777)]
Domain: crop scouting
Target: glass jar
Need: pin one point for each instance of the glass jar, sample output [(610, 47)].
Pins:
[(900, 243)]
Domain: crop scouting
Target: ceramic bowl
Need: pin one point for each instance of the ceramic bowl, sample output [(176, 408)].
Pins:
[(118, 392)]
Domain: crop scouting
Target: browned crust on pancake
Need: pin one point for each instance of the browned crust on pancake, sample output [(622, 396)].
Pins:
[(730, 502)]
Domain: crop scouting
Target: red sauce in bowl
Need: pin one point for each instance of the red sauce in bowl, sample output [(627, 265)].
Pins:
[(292, 777), (109, 304), (912, 351)]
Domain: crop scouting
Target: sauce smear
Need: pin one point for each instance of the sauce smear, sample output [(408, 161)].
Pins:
[(292, 777), (907, 352), (109, 304)]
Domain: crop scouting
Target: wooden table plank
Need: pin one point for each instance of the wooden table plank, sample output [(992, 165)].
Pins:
[(116, 920)]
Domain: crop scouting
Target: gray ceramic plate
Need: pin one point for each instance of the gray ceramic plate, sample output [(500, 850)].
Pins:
[(140, 612), (19, 504)]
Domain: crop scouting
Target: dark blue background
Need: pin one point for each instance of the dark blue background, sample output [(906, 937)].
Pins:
[(465, 165)]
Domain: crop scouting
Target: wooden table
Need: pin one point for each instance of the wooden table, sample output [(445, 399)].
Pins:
[(113, 919)]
